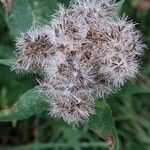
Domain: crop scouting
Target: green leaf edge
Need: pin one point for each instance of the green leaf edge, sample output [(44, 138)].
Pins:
[(110, 136), (118, 6), (7, 62), (29, 104)]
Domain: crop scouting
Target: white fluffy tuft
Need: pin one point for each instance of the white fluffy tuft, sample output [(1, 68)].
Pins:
[(85, 53)]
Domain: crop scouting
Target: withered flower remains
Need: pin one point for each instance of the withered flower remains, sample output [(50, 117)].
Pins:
[(85, 53)]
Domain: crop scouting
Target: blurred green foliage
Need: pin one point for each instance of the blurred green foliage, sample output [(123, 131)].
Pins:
[(131, 106)]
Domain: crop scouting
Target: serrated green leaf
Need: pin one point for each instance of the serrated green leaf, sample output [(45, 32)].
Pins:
[(7, 62), (118, 6), (29, 104), (103, 125)]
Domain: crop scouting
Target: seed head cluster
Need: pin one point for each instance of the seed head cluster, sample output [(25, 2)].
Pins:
[(86, 52)]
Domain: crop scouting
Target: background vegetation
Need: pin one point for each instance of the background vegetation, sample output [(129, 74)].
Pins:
[(130, 107)]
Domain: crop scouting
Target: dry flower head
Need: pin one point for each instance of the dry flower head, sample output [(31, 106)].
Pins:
[(85, 53)]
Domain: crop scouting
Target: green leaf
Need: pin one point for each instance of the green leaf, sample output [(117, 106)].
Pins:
[(26, 13), (118, 6), (3, 1), (7, 62), (102, 124), (29, 104), (6, 52), (135, 89), (20, 18), (42, 10)]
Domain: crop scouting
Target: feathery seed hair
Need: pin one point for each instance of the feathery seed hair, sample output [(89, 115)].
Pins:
[(86, 52)]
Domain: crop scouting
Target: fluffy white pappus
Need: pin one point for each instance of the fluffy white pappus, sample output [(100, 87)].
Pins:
[(51, 68), (90, 9), (85, 53), (60, 20), (120, 53), (33, 48), (72, 112)]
